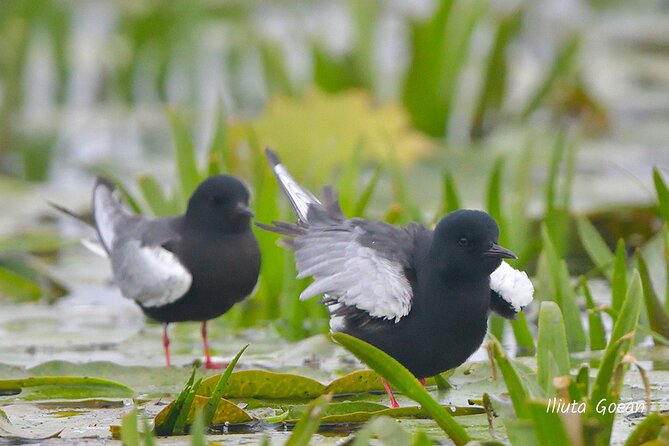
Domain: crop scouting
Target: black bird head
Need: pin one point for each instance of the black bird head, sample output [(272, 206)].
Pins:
[(220, 203), (465, 244)]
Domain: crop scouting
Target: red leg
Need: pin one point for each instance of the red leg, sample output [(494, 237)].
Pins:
[(422, 381), (389, 391), (208, 363), (166, 346)]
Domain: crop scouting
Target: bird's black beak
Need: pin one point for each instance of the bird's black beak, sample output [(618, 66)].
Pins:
[(243, 209), (499, 252)]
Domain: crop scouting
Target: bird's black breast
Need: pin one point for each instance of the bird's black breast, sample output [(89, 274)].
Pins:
[(446, 324), (225, 270)]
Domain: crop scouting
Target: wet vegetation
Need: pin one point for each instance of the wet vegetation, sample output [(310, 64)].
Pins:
[(423, 109)]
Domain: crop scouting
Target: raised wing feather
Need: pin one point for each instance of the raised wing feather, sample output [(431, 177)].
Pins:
[(348, 266)]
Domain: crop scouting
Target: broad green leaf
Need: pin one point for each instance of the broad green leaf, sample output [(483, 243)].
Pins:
[(266, 385), (308, 424), (662, 194), (401, 379), (216, 394), (647, 430), (657, 317), (548, 425), (595, 246), (552, 342), (64, 387)]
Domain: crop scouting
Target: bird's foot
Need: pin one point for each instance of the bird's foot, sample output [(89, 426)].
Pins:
[(211, 365), (393, 402)]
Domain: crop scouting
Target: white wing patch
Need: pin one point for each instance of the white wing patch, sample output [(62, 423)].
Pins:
[(150, 275), (94, 246), (105, 207), (512, 285), (354, 275)]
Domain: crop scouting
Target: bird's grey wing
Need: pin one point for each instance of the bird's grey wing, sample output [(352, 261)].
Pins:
[(357, 263), (144, 269), (511, 290)]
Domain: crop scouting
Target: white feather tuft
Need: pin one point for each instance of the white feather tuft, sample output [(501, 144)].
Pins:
[(512, 285)]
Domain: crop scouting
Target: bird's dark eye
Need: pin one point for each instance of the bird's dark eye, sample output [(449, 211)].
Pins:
[(463, 241), (216, 199)]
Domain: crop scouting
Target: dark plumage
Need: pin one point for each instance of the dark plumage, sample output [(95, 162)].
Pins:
[(192, 267), (421, 296)]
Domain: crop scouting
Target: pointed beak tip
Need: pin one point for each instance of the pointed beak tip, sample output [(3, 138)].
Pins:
[(244, 210), (500, 252)]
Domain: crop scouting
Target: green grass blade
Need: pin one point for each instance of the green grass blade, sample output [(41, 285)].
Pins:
[(168, 427), (595, 246), (493, 90), (657, 317), (451, 199), (561, 66), (154, 196), (147, 434), (662, 194), (197, 430), (551, 342), (404, 381), (308, 424), (347, 186), (189, 176), (210, 409), (596, 330), (366, 195), (646, 431), (184, 410), (129, 431), (619, 277), (218, 155), (514, 383), (494, 197), (523, 335)]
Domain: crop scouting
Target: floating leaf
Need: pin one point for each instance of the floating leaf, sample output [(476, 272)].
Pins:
[(266, 385), (388, 431), (360, 381), (308, 424), (64, 387), (18, 287), (9, 431)]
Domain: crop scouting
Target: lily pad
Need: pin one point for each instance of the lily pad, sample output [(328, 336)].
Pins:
[(226, 412), (20, 434), (262, 384), (361, 411), (359, 381), (63, 387)]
